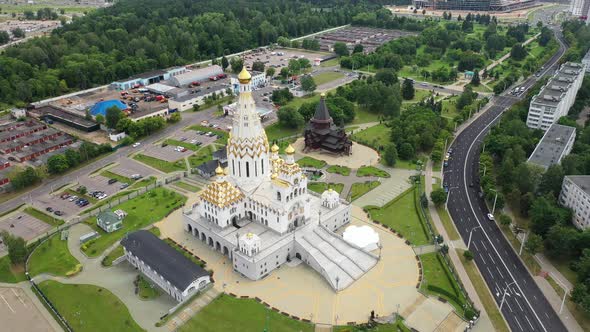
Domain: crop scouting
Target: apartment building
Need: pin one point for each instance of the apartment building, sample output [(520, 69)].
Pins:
[(555, 144), (575, 194)]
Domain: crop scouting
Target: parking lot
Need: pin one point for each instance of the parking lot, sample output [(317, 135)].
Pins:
[(273, 59), (128, 167), (166, 153), (99, 183), (24, 225), (18, 313)]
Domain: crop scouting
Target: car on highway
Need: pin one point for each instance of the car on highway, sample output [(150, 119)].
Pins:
[(491, 217)]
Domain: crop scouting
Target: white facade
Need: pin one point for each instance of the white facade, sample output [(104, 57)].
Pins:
[(115, 137), (18, 113), (259, 213), (556, 97), (187, 102), (575, 194), (580, 8), (258, 80)]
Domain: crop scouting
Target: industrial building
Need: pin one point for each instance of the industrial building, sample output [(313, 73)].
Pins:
[(556, 97), (475, 5), (575, 194), (197, 75), (555, 144), (258, 80), (187, 101), (74, 120), (148, 78)]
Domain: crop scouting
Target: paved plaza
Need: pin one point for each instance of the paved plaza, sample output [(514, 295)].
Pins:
[(127, 167), (23, 225), (18, 313), (166, 153), (361, 155)]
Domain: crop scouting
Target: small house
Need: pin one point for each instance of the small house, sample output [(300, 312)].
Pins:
[(109, 221)]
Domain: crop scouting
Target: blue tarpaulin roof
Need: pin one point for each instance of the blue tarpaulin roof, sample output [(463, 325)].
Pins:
[(102, 106)]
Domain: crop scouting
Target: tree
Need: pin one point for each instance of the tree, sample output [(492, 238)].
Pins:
[(258, 66), (224, 63), (99, 118), (17, 248), (236, 64), (283, 41), (289, 117), (196, 108), (340, 49), (518, 52), (438, 196), (112, 116), (390, 155), (534, 243), (4, 37), (82, 190), (475, 79), (57, 164), (23, 178), (284, 73), (307, 83), (18, 33), (73, 157), (505, 219), (468, 255), (270, 72), (175, 117), (408, 91), (387, 75), (358, 48), (552, 180)]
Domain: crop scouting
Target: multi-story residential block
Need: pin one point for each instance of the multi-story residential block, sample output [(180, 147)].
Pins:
[(575, 194), (555, 144), (556, 97)]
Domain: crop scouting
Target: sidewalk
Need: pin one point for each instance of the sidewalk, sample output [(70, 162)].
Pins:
[(484, 323)]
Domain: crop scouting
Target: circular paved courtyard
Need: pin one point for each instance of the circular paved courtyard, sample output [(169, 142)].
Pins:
[(302, 292), (361, 155)]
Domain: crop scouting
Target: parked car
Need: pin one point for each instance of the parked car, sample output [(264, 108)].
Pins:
[(73, 198), (111, 181), (58, 213), (64, 196), (124, 185), (491, 217), (136, 176), (136, 144), (49, 209)]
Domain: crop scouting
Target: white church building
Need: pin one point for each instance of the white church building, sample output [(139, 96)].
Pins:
[(259, 213)]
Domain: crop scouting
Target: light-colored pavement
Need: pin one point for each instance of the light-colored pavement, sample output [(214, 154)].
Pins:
[(195, 306), (484, 323), (361, 155), (389, 189), (21, 310)]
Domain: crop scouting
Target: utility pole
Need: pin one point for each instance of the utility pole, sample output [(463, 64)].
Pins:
[(495, 200), (522, 243), (504, 296)]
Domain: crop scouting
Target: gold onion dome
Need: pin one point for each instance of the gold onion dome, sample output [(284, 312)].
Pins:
[(226, 171), (244, 76), (219, 170), (274, 148), (274, 176), (290, 149)]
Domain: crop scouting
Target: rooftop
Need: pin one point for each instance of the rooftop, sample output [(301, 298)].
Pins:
[(552, 146), (582, 181), (553, 92), (162, 258)]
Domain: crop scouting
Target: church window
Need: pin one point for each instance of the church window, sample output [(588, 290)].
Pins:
[(279, 196), (233, 166), (239, 169), (247, 169), (262, 166), (255, 169)]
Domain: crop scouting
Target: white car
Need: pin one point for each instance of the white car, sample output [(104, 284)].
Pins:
[(136, 144), (491, 217)]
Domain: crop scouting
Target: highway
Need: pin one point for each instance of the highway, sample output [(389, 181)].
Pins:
[(525, 308)]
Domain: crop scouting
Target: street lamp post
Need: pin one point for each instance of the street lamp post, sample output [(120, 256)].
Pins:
[(495, 200), (504, 296), (484, 168), (470, 234)]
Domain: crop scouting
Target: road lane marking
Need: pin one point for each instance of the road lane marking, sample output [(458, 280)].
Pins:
[(490, 271), (8, 305), (484, 245), (501, 275), (493, 262), (519, 304), (19, 298), (509, 307), (518, 323), (527, 319)]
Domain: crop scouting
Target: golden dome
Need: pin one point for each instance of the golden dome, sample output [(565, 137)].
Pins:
[(290, 149), (244, 76), (249, 235), (274, 148), (330, 190), (219, 170), (274, 176), (226, 171)]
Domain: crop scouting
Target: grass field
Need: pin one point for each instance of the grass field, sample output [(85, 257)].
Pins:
[(364, 116), (202, 156), (187, 186), (184, 253), (53, 257), (419, 95), (449, 109), (275, 132), (44, 217), (114, 254), (320, 187), (311, 162), (85, 307), (484, 294), (360, 188), (375, 137), (142, 210), (371, 171), (120, 178), (162, 165), (326, 77), (9, 273), (437, 280), (226, 313), (330, 63), (342, 170), (147, 291), (401, 215)]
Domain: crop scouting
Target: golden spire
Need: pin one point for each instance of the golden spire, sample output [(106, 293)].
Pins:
[(244, 76), (219, 171), (274, 148), (290, 149)]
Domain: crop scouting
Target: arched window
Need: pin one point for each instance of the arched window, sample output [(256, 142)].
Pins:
[(247, 169), (279, 196)]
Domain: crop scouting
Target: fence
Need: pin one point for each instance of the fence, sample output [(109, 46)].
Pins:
[(61, 320)]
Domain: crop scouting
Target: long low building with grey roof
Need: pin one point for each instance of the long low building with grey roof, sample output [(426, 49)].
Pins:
[(163, 265), (556, 97), (555, 144), (575, 194)]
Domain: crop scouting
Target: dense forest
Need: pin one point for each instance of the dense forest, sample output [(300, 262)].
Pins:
[(532, 192), (134, 36)]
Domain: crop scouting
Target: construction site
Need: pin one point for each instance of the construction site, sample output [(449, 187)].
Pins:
[(475, 5)]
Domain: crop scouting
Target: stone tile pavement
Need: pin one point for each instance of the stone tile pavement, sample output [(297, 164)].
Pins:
[(389, 189)]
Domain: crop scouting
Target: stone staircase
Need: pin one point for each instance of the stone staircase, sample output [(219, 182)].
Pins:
[(336, 260)]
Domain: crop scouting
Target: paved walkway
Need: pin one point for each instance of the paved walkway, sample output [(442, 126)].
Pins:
[(361, 155), (389, 189), (484, 323), (192, 309)]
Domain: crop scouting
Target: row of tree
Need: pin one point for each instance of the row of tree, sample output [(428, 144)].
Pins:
[(59, 163)]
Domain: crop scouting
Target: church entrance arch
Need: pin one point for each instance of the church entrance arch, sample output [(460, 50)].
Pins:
[(217, 246), (225, 251), (250, 215), (203, 237), (190, 228), (234, 222), (298, 255), (196, 233), (210, 242)]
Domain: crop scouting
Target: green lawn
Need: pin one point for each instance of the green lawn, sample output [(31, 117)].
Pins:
[(375, 137), (449, 109), (410, 164), (320, 187), (401, 215), (202, 156), (147, 291), (371, 171), (46, 218), (9, 273), (173, 142), (419, 95), (185, 253), (226, 313), (120, 178), (142, 211), (162, 165), (447, 223), (330, 63), (143, 182), (311, 162), (276, 132), (89, 308), (364, 116), (298, 101), (326, 77), (342, 170), (114, 254), (438, 280), (360, 188), (53, 257), (187, 186)]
